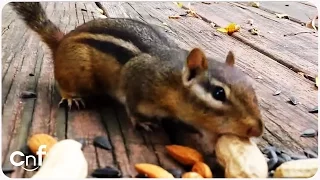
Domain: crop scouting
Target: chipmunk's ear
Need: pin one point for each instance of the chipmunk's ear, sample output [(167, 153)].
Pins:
[(196, 64), (230, 58)]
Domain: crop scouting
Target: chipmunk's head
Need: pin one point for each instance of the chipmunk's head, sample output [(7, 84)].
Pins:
[(221, 96)]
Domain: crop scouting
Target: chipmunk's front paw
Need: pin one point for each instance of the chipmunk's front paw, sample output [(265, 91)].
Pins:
[(70, 102)]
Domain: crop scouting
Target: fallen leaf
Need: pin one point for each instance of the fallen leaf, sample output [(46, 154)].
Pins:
[(206, 2), (301, 73), (174, 17), (284, 16), (222, 30), (254, 31), (313, 24), (231, 28), (255, 4), (179, 4)]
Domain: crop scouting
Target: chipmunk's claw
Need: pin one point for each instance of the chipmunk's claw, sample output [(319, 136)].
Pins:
[(71, 100)]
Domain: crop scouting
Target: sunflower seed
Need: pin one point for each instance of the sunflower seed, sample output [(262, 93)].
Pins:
[(107, 172), (141, 176), (310, 154), (267, 149), (102, 142), (314, 110), (177, 173), (270, 174), (82, 141), (309, 133), (28, 94), (298, 157), (280, 161), (7, 170), (272, 163), (293, 100), (286, 157), (277, 92)]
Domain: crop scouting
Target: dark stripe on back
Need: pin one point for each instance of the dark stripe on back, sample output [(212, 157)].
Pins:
[(120, 53)]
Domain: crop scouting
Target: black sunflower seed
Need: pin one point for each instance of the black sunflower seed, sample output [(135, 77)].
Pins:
[(177, 173), (102, 142), (28, 94), (293, 100), (141, 176), (7, 170), (285, 156), (107, 172), (314, 110), (82, 141), (297, 157), (280, 161), (310, 154), (277, 92), (309, 133), (272, 163)]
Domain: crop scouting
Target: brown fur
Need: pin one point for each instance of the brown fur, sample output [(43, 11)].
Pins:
[(157, 79)]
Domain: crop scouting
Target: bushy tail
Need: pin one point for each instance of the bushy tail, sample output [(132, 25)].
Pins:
[(33, 14)]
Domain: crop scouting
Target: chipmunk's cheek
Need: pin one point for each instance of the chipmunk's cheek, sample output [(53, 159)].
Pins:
[(254, 127)]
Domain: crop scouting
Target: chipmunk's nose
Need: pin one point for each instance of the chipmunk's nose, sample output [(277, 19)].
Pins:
[(255, 131)]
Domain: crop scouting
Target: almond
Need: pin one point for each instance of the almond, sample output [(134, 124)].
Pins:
[(191, 175), (202, 169), (184, 155), (152, 171), (37, 140)]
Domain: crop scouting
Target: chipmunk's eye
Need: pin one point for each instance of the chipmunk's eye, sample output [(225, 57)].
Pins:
[(218, 93)]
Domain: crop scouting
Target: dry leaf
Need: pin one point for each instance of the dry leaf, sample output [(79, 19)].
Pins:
[(284, 16), (179, 4), (222, 30), (231, 28), (254, 31), (313, 24), (255, 4), (174, 17), (300, 73)]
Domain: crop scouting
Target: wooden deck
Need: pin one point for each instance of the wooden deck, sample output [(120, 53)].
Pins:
[(272, 60)]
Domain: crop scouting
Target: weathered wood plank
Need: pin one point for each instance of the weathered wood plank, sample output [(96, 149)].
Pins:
[(278, 114), (298, 11), (300, 52)]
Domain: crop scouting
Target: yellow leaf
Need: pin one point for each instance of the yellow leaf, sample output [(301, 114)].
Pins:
[(179, 4), (317, 81), (232, 27), (222, 30)]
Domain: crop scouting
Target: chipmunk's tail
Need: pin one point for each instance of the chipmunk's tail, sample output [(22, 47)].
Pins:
[(33, 14)]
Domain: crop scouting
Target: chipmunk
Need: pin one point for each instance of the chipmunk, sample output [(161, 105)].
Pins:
[(150, 75)]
